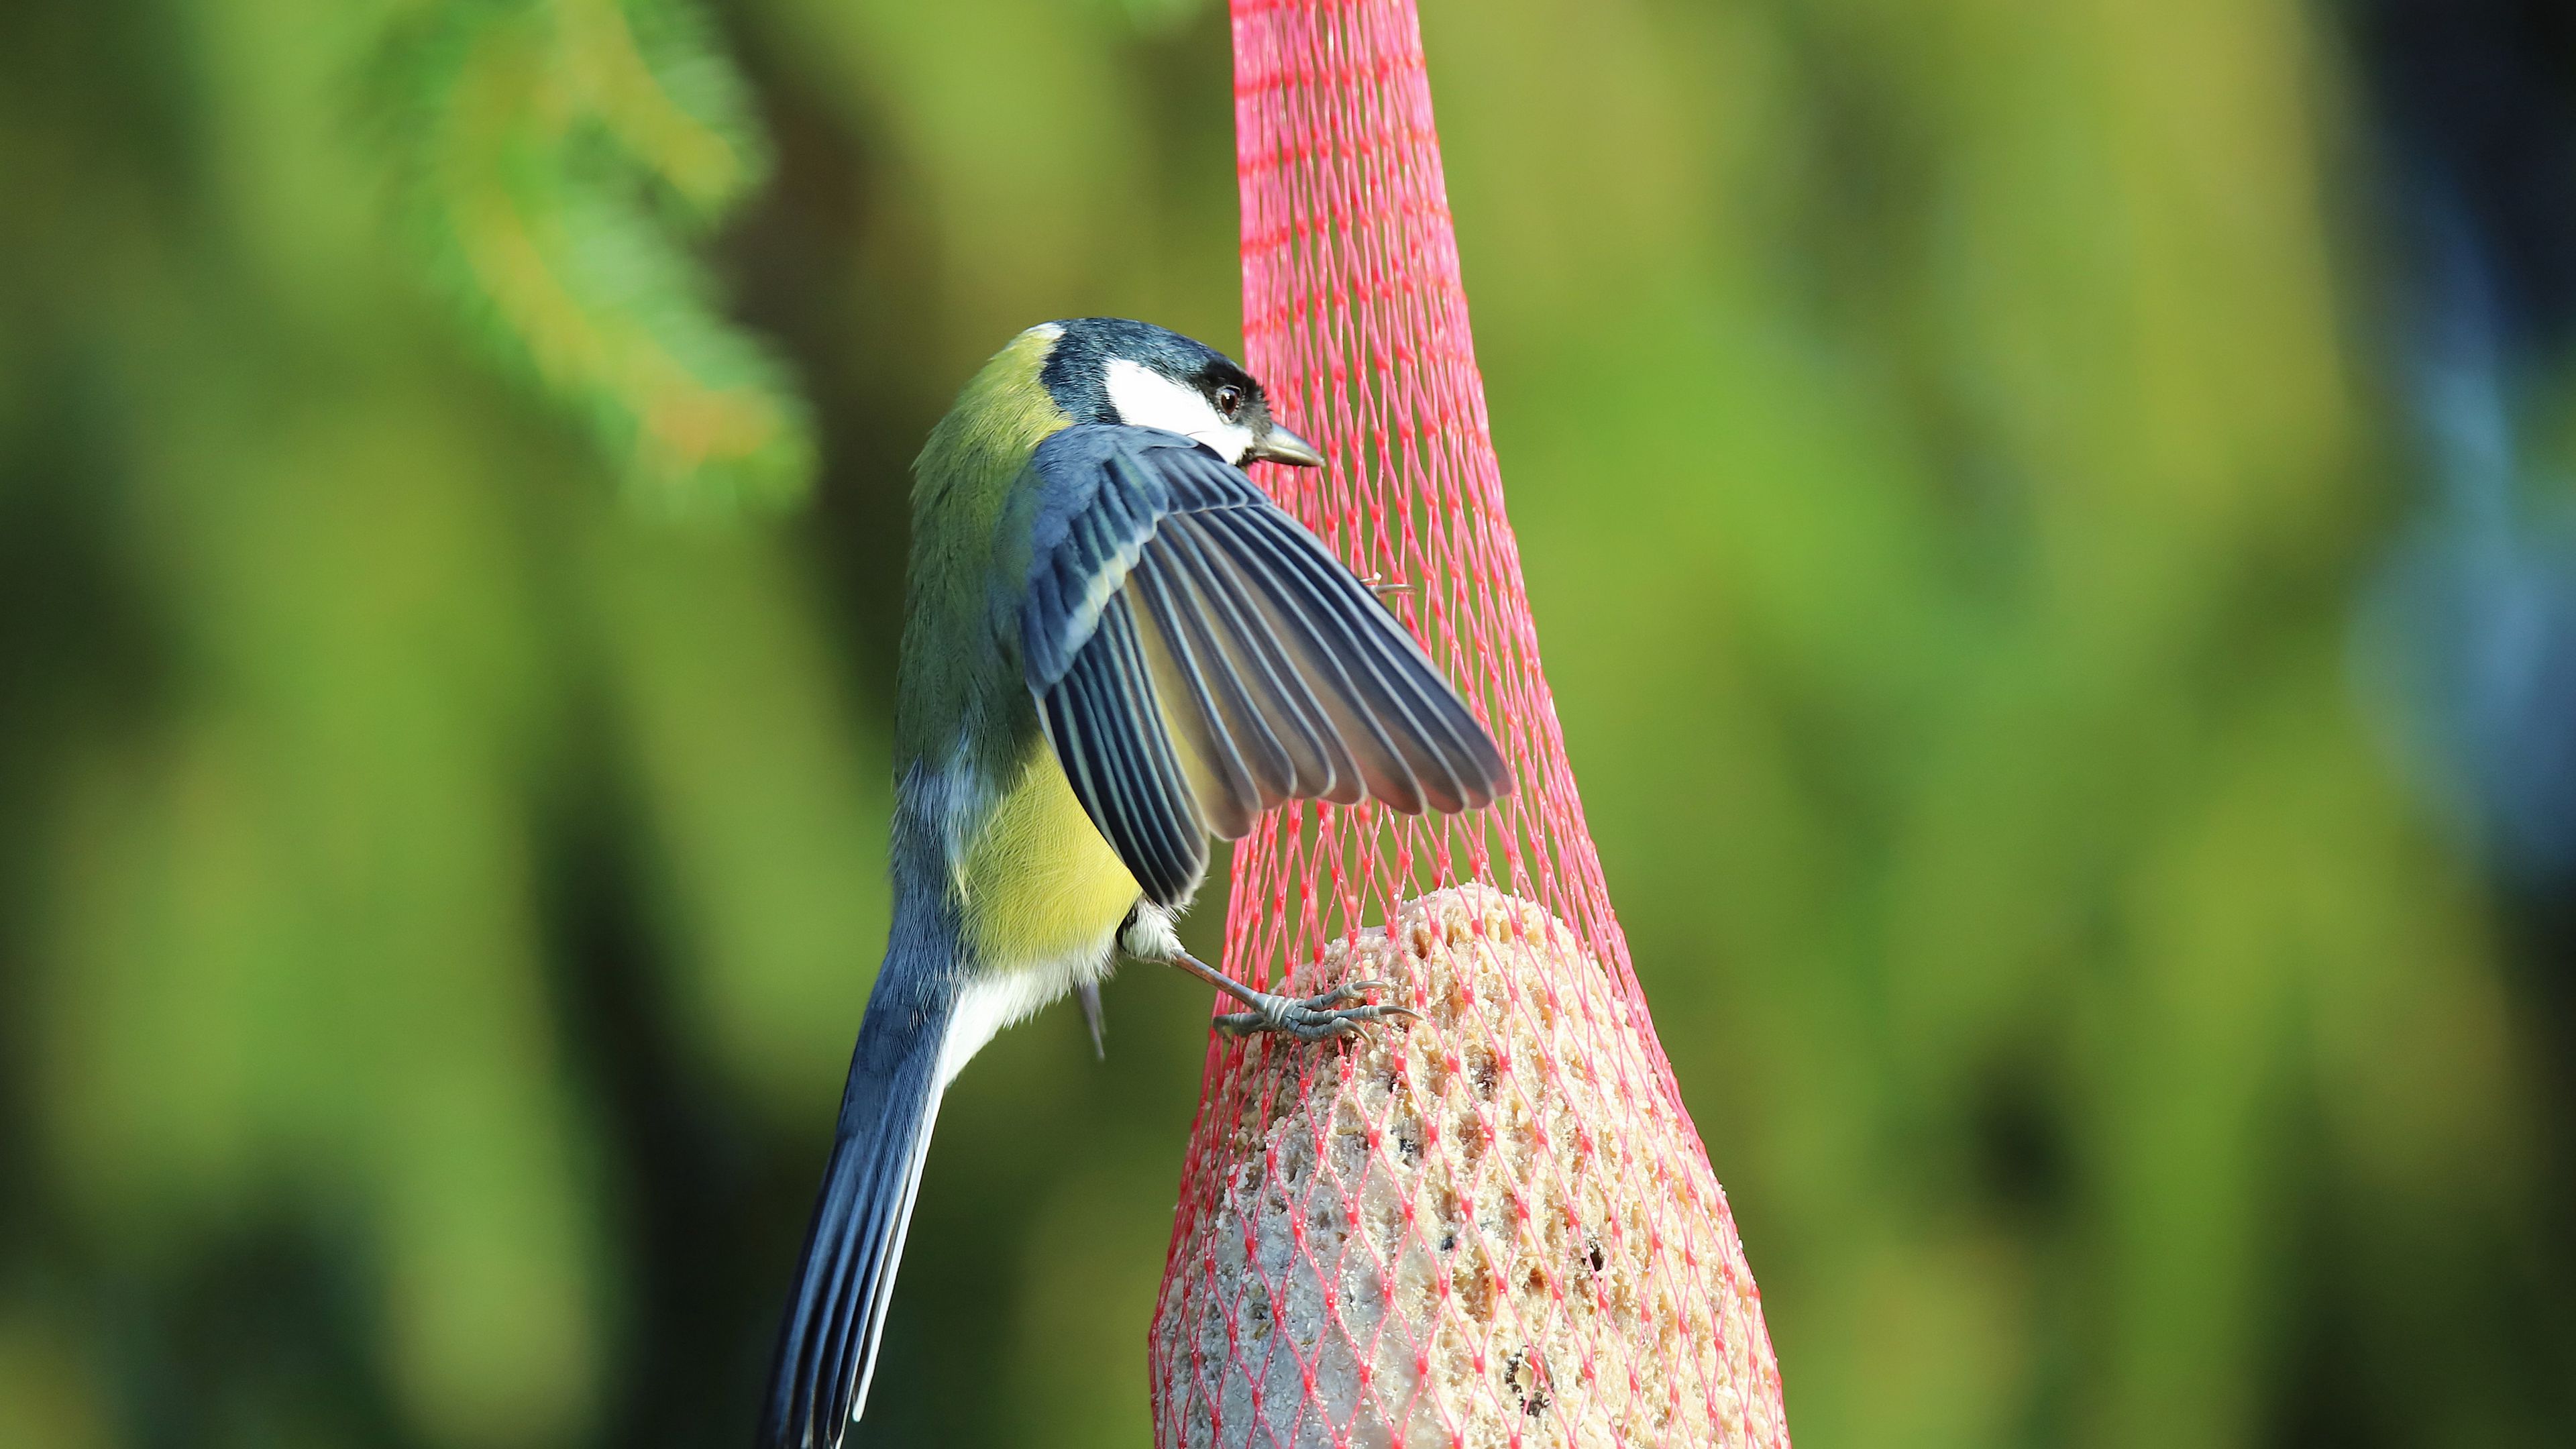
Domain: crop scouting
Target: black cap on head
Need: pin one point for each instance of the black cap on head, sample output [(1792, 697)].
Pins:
[(1167, 381), (1077, 368)]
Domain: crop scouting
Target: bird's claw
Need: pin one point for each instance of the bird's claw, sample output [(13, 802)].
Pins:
[(1317, 1018)]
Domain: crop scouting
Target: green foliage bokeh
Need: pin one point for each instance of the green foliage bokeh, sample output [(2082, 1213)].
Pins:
[(443, 781)]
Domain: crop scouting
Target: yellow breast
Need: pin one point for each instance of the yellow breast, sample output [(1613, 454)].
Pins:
[(1039, 881)]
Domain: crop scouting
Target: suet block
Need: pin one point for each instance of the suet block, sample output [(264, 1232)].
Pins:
[(1494, 1228)]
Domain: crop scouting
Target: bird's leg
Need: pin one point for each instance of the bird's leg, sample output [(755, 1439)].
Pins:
[(1385, 588), (1317, 1018)]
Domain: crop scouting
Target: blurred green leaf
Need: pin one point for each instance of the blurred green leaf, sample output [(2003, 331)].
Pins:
[(550, 152)]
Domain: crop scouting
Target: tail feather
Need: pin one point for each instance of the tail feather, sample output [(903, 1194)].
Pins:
[(827, 1346)]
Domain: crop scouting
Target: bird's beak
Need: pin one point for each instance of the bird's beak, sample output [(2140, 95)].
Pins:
[(1278, 445)]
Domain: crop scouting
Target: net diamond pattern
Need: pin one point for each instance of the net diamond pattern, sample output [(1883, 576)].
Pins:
[(1496, 1227)]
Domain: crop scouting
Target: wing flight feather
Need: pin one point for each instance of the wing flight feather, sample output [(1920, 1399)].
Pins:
[(1198, 657)]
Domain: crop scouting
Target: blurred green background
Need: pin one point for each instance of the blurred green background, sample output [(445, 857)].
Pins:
[(452, 476)]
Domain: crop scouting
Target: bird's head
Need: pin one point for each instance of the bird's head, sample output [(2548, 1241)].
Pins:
[(1134, 374)]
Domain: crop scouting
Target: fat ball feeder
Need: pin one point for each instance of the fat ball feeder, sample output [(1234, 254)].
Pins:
[(1495, 1226)]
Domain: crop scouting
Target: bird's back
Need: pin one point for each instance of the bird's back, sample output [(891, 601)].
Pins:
[(957, 682)]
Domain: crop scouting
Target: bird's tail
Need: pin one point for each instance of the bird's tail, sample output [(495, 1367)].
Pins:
[(827, 1347)]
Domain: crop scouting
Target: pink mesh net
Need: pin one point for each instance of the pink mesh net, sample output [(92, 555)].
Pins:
[(1496, 1227)]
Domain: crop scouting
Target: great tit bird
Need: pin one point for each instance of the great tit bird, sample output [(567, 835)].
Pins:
[(1115, 646)]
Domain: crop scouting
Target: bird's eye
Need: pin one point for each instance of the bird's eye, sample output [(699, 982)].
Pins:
[(1229, 400)]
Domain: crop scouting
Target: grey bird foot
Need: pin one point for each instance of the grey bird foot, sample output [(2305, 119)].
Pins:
[(1317, 1018)]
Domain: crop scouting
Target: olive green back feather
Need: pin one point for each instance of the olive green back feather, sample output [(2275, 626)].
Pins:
[(955, 666)]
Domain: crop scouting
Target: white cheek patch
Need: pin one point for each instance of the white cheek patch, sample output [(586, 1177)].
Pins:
[(1144, 398)]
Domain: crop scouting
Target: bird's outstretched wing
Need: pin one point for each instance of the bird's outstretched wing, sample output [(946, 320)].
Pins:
[(1198, 657)]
